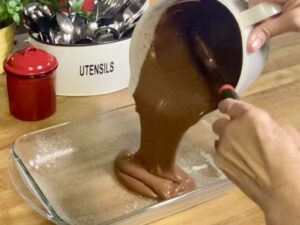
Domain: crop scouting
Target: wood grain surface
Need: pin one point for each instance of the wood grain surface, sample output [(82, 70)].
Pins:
[(277, 91)]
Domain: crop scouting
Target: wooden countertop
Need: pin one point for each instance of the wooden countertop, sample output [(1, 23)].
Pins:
[(277, 91)]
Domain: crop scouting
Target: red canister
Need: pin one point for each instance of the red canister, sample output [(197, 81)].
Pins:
[(31, 83)]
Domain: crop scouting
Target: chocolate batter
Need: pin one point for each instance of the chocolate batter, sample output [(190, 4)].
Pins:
[(173, 93)]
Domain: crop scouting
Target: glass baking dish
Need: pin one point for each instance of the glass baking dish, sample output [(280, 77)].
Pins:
[(65, 172)]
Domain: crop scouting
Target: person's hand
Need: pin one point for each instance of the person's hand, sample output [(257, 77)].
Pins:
[(287, 21), (262, 157)]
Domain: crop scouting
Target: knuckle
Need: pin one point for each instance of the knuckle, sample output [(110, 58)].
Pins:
[(266, 31)]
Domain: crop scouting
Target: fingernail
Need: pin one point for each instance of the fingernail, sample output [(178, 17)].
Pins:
[(256, 44)]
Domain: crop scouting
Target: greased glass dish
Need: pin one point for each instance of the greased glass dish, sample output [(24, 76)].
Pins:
[(66, 174)]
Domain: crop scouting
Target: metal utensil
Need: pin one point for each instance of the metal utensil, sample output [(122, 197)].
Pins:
[(37, 19), (64, 23), (58, 38), (29, 7), (43, 27), (129, 13), (117, 14), (107, 8), (86, 40), (52, 35), (40, 13), (62, 38), (28, 21), (127, 30), (89, 29), (30, 24), (134, 9), (54, 24), (106, 34), (46, 10), (67, 38), (128, 27), (44, 18), (78, 22)]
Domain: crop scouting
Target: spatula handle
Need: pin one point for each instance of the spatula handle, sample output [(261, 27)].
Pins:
[(227, 91)]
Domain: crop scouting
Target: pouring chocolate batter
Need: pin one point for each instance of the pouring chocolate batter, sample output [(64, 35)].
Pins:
[(174, 91)]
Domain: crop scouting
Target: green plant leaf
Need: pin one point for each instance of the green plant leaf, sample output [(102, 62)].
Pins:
[(3, 12), (16, 18), (12, 3), (10, 11)]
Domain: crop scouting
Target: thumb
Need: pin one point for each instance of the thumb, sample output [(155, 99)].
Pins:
[(266, 30)]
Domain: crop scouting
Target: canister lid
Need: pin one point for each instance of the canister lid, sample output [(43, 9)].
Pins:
[(30, 61)]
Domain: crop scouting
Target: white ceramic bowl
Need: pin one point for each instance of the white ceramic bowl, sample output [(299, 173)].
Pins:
[(252, 64), (91, 69)]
